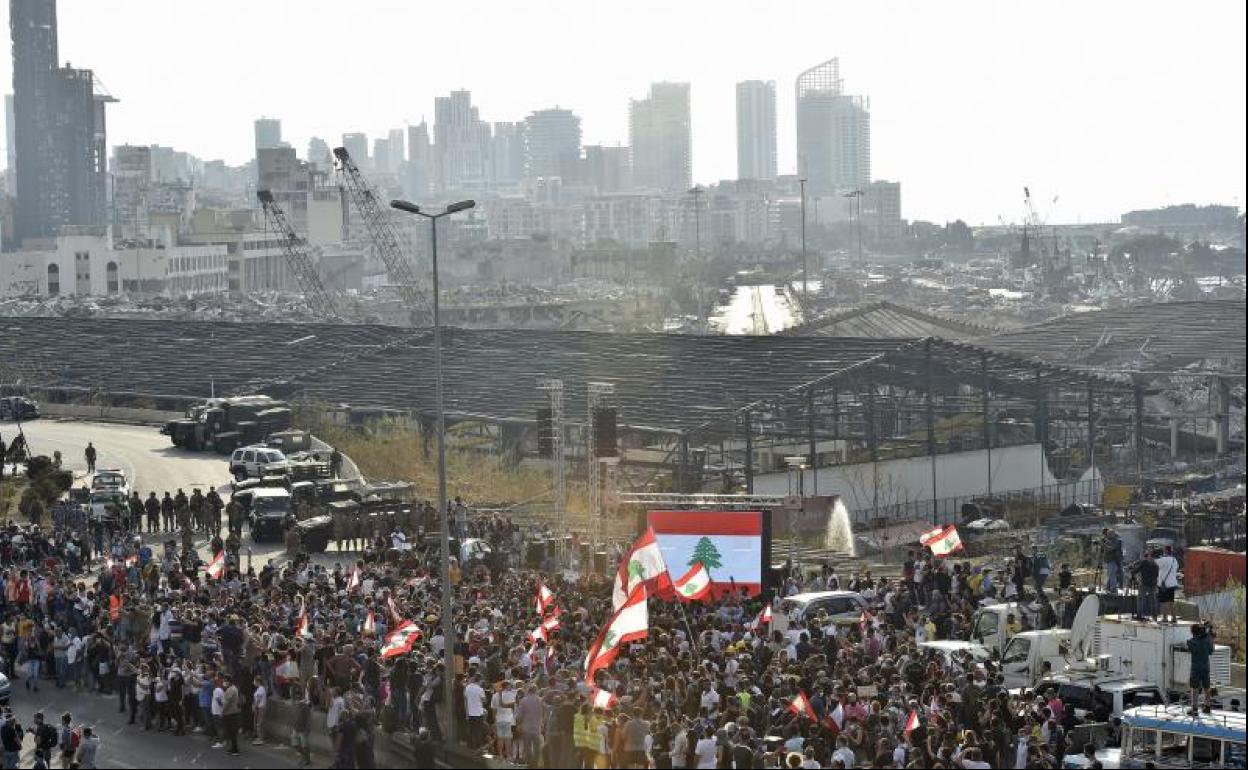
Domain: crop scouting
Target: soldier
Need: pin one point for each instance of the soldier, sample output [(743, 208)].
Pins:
[(196, 504), (335, 463), (90, 454), (151, 507), (357, 532), (166, 511), (215, 505), (341, 526), (234, 515), (136, 511), (182, 510)]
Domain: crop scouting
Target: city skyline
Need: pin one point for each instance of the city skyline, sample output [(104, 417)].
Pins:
[(1088, 91)]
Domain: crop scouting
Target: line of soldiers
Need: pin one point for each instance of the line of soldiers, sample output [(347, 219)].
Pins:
[(198, 513)]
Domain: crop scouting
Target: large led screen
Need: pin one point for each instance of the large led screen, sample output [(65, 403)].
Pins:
[(730, 544)]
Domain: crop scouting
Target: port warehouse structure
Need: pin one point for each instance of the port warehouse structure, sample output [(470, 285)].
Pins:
[(700, 410)]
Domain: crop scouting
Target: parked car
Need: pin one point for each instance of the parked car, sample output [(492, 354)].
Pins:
[(256, 461), (106, 504), (842, 607)]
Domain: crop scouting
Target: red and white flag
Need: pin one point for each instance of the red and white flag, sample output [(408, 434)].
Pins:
[(763, 618), (216, 567), (694, 584), (942, 540), (912, 722), (400, 640), (132, 561), (393, 609), (303, 626), (629, 623), (353, 582), (800, 705), (370, 625), (642, 565), (543, 632), (545, 599), (837, 716), (601, 699)]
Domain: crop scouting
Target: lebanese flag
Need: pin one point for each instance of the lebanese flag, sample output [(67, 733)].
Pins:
[(545, 599), (393, 609), (800, 705), (763, 618), (400, 640), (694, 584), (370, 625), (837, 717), (353, 582), (912, 722), (942, 540), (642, 565), (601, 699), (114, 606), (132, 561), (216, 567), (302, 623), (630, 623)]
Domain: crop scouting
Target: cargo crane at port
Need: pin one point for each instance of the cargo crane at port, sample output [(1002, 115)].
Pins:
[(295, 250), (390, 245)]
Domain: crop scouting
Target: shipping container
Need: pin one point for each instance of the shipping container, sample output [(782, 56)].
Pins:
[(1207, 569)]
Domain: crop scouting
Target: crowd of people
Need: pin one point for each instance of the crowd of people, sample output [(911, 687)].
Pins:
[(186, 650)]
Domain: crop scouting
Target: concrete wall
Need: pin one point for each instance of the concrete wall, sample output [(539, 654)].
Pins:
[(105, 413), (958, 474)]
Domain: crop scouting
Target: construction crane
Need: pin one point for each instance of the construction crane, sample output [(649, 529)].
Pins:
[(386, 238), (294, 248)]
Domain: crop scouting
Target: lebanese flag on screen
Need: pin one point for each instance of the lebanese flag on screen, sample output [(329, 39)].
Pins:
[(942, 540), (800, 705), (545, 598), (630, 623), (601, 699), (694, 584), (642, 565), (912, 722), (216, 567)]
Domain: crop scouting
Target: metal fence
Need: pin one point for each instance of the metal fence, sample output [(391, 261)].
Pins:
[(1018, 507)]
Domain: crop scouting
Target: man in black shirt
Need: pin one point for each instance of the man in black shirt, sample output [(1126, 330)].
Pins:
[(1146, 571)]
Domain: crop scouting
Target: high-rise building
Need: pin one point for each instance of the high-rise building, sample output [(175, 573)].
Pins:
[(132, 180), (268, 133), (356, 146), (318, 153), (756, 129), (417, 179), (552, 144), (382, 156), (507, 154), (661, 138), (460, 144), (833, 132), (881, 209), (606, 168), (397, 153), (60, 153)]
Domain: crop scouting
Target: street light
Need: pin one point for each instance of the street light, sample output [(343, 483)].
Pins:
[(448, 620)]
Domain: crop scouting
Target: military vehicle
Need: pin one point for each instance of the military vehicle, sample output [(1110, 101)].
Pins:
[(224, 424)]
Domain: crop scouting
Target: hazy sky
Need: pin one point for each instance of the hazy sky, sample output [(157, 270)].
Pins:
[(1106, 105)]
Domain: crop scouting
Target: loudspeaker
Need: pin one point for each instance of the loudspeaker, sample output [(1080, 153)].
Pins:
[(604, 432), (545, 433)]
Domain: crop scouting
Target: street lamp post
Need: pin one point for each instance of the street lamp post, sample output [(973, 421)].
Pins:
[(448, 619)]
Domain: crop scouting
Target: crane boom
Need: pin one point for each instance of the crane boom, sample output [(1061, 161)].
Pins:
[(293, 247), (390, 245)]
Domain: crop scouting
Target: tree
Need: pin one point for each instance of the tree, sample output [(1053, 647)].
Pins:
[(706, 554)]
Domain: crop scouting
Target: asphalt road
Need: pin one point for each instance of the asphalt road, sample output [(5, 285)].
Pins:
[(123, 745)]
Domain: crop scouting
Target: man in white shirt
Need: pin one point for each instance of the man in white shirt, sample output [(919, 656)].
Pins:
[(710, 698), (1167, 583), (218, 715), (474, 709), (73, 660), (259, 707), (843, 752)]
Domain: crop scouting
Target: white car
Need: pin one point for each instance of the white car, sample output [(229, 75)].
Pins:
[(110, 480), (841, 606), (257, 461)]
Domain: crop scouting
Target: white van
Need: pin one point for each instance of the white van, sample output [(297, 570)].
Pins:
[(256, 461)]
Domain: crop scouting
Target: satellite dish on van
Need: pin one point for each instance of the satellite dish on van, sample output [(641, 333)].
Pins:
[(1083, 628)]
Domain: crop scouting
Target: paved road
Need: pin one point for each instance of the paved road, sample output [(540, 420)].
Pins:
[(125, 746)]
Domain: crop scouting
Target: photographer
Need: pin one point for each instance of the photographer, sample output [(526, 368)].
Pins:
[(1144, 574), (1111, 555)]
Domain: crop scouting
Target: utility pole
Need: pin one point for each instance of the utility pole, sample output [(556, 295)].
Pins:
[(699, 278), (805, 297)]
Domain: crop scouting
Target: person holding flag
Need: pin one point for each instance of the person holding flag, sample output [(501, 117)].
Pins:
[(629, 623), (545, 599), (642, 565)]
